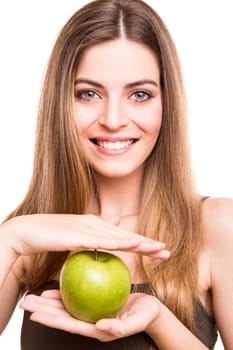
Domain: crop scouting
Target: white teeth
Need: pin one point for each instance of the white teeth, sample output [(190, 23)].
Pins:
[(115, 145)]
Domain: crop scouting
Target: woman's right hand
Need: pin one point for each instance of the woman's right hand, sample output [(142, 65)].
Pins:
[(29, 234)]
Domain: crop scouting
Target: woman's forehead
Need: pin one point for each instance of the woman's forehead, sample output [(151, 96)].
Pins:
[(121, 58)]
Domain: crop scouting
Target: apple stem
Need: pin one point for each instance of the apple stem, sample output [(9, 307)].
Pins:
[(96, 257)]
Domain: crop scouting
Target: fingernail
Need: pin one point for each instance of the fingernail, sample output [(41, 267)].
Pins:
[(166, 253), (158, 245), (163, 254)]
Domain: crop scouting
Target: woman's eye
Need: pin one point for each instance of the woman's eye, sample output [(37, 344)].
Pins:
[(86, 95), (140, 96)]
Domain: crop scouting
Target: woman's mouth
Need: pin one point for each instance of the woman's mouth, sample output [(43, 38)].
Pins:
[(114, 147)]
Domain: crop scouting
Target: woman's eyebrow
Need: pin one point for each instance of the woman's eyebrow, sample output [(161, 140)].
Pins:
[(129, 85), (142, 82), (88, 81)]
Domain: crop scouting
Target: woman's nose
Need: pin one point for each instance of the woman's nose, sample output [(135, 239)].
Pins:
[(114, 115)]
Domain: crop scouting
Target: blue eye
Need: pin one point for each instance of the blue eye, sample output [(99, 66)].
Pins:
[(140, 96), (86, 95)]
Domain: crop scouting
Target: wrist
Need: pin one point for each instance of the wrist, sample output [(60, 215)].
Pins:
[(155, 324), (6, 243), (8, 255)]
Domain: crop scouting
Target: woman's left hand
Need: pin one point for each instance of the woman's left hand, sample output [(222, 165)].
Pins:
[(137, 314)]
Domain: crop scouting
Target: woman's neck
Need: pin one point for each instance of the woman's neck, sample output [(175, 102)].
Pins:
[(117, 196)]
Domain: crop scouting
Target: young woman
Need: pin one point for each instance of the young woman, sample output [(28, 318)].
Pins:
[(112, 171)]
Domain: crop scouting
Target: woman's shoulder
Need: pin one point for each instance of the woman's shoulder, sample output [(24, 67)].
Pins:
[(217, 215), (217, 251), (217, 224)]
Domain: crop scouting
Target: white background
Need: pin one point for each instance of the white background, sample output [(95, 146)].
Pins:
[(202, 31)]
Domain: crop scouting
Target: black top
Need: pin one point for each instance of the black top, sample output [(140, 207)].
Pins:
[(35, 336)]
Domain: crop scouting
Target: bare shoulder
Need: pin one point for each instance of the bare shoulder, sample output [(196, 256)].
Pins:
[(217, 249), (217, 214)]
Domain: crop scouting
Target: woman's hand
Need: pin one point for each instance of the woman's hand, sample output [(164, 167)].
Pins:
[(141, 313), (36, 233), (138, 313)]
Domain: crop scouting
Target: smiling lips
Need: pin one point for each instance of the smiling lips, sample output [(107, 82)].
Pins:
[(113, 147)]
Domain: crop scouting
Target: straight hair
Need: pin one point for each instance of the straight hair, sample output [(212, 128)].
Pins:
[(62, 181)]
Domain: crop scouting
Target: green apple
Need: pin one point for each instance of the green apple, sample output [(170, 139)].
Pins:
[(94, 285)]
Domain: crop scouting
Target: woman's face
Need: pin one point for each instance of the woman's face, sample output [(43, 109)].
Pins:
[(118, 106)]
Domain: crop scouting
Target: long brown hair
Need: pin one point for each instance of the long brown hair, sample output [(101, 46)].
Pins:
[(62, 181)]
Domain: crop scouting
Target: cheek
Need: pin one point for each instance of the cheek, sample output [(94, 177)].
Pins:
[(85, 116), (151, 120), (156, 121)]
